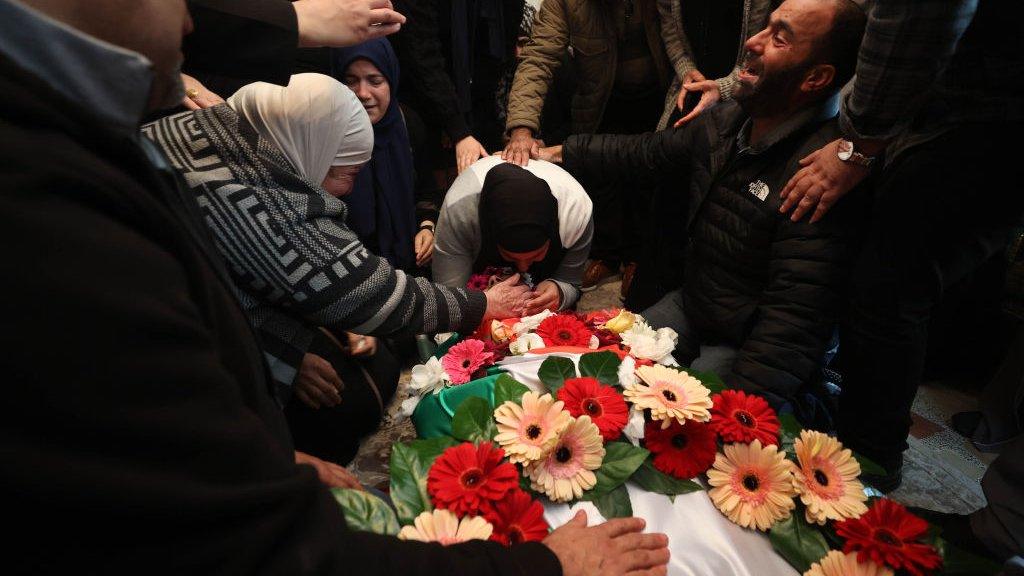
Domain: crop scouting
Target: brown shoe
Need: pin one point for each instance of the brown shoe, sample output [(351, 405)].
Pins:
[(628, 271), (596, 271)]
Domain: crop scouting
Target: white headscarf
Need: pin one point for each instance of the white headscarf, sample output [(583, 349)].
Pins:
[(316, 122)]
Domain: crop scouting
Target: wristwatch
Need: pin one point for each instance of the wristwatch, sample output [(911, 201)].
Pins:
[(427, 226), (848, 154)]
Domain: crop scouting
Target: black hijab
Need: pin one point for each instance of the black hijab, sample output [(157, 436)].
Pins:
[(518, 211)]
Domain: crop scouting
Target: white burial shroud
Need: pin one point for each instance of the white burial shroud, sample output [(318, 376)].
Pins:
[(702, 541)]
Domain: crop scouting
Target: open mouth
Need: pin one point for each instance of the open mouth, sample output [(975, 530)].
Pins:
[(750, 71)]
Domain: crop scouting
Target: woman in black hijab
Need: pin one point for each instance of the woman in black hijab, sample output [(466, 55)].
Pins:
[(500, 218)]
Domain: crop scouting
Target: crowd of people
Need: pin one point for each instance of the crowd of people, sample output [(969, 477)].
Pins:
[(227, 221)]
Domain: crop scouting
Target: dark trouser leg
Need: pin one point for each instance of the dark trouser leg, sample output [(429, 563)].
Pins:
[(607, 222), (1002, 400), (668, 313), (1000, 525), (942, 209), (333, 434), (619, 207)]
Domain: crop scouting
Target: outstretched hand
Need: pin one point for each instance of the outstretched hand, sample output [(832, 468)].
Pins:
[(709, 95), (821, 181), (614, 548), (340, 23), (467, 151), (330, 474), (521, 147), (690, 77)]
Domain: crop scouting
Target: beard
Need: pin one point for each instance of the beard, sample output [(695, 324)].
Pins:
[(168, 89), (772, 93)]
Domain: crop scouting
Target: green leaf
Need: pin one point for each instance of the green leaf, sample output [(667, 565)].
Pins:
[(868, 466), (621, 459), (604, 366), (653, 480), (366, 512), (798, 542), (790, 425), (409, 483), (507, 389), (553, 372), (789, 432), (474, 420), (710, 380), (613, 504)]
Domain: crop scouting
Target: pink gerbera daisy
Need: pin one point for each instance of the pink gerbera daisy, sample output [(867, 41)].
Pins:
[(465, 358)]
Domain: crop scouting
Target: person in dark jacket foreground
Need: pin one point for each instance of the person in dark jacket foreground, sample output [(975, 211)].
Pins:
[(761, 294), (143, 432)]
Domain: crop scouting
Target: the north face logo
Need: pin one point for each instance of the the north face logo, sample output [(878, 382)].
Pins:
[(759, 189)]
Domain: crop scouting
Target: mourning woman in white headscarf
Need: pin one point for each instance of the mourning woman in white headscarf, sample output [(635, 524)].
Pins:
[(266, 168)]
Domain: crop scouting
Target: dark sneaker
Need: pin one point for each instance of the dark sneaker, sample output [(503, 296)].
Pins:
[(889, 481), (628, 271)]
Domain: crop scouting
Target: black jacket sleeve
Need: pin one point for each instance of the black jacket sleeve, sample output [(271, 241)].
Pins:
[(425, 68), (800, 307), (236, 42), (640, 159)]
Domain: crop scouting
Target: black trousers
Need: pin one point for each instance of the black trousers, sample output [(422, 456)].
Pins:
[(941, 210), (333, 434), (621, 208)]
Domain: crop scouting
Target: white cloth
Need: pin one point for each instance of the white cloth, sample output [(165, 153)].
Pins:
[(702, 541), (316, 122)]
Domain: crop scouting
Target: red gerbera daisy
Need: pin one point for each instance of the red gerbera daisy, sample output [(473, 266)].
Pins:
[(564, 330), (517, 518), (605, 406), (465, 477), (888, 534), (741, 417), (682, 451)]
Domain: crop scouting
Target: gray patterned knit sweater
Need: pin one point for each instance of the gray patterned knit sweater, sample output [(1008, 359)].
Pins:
[(295, 263)]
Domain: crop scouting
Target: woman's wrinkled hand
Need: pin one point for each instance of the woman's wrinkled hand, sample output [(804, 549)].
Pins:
[(506, 299)]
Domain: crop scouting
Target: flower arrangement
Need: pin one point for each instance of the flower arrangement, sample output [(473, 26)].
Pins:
[(625, 412)]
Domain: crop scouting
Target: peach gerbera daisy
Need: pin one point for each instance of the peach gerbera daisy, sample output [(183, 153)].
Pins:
[(568, 469), (835, 563), (444, 527), (826, 478), (528, 431), (669, 394), (752, 484)]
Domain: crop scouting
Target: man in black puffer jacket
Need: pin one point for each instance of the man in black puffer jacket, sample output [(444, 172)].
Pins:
[(761, 293)]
